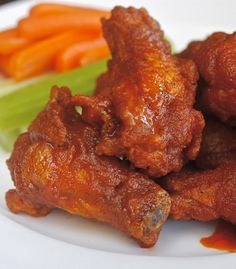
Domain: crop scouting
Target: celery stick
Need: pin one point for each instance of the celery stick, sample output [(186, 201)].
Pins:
[(41, 98), (18, 108), (169, 40), (71, 79), (22, 117), (7, 139), (9, 85)]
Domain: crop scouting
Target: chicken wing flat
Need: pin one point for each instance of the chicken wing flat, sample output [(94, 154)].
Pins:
[(218, 144), (54, 165), (216, 61), (203, 195), (144, 103)]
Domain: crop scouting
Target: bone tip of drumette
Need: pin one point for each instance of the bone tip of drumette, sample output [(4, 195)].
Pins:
[(154, 220)]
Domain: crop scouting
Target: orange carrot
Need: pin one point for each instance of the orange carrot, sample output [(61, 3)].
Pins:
[(95, 54), (47, 25), (10, 45), (69, 57), (5, 65), (39, 57), (8, 33), (10, 41), (53, 8)]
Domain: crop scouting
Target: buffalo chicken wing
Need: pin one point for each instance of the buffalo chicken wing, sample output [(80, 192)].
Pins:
[(216, 61), (144, 103), (218, 144), (54, 165), (203, 195)]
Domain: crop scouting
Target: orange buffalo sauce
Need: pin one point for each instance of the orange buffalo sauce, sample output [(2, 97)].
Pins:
[(223, 238)]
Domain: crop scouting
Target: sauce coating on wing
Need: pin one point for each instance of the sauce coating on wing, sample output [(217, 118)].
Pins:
[(54, 165), (149, 117), (218, 144), (203, 195), (216, 61)]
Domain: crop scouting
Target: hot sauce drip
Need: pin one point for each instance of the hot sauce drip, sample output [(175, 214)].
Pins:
[(223, 238)]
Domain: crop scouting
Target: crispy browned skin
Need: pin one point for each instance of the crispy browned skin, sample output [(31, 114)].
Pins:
[(203, 195), (144, 102), (218, 144), (54, 165), (216, 61)]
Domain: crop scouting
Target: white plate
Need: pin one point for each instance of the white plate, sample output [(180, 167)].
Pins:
[(64, 241)]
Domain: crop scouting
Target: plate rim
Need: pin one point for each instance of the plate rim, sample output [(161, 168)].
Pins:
[(122, 259)]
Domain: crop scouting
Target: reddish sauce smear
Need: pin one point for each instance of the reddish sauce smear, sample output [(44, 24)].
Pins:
[(223, 238)]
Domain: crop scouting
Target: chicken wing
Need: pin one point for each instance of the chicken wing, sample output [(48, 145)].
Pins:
[(203, 195), (54, 165), (216, 61), (144, 103), (218, 144)]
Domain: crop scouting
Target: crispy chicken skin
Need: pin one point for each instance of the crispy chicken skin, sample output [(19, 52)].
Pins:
[(203, 195), (218, 144), (54, 165), (216, 61), (144, 103)]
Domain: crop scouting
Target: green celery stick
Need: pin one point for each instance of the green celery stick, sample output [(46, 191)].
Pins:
[(19, 108), (22, 117), (7, 139), (9, 85), (71, 79)]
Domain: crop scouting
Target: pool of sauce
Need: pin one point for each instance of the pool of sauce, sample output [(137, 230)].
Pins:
[(223, 238)]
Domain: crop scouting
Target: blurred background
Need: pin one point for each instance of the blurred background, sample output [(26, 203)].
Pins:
[(5, 1)]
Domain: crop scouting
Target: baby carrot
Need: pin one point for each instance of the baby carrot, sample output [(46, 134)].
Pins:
[(49, 8), (12, 44), (8, 33), (5, 65), (10, 41), (38, 57), (47, 25), (94, 54), (69, 57)]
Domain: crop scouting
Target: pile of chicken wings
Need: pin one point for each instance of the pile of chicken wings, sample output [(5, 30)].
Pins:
[(156, 140)]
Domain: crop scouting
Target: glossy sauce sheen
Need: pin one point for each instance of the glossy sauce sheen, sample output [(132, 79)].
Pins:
[(223, 238)]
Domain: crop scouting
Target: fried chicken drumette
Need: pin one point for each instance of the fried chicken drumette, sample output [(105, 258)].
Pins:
[(216, 61), (203, 195), (210, 194), (218, 144), (54, 165), (144, 103)]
